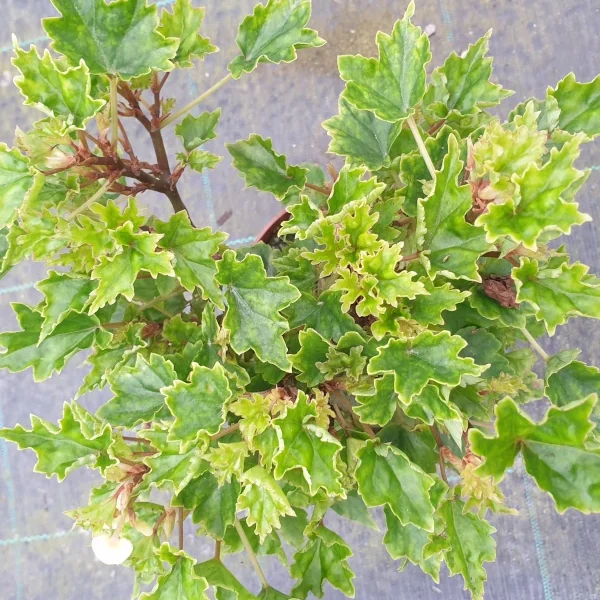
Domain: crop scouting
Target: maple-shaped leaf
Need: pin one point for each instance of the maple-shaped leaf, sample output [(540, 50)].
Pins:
[(313, 350), (213, 506), (554, 452), (16, 179), (579, 105), (254, 302), (463, 83), (469, 545), (350, 186), (63, 292), (547, 111), (557, 294), (427, 309), (265, 501), (273, 33), (354, 234), (198, 160), (118, 39), (428, 357), (63, 448), (184, 23), (431, 407), (323, 314), (392, 85), (303, 215), (408, 542), (254, 413), (571, 381), (360, 136), (137, 392), (193, 250), (58, 92), (451, 245), (181, 581), (199, 406), (379, 407), (196, 131), (227, 460), (117, 274), (323, 558), (218, 576), (305, 447), (538, 204), (264, 169), (387, 477), (302, 273), (23, 349)]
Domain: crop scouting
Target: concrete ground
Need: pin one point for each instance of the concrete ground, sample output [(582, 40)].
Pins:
[(541, 556)]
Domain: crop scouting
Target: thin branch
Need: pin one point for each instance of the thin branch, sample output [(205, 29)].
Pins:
[(129, 438), (101, 191), (253, 560), (159, 299), (440, 444), (317, 188), (180, 520), (218, 550), (340, 417), (421, 145), (543, 354), (175, 116), (224, 432), (114, 113), (339, 397)]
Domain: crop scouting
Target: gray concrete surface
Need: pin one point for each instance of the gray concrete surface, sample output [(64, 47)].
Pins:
[(541, 556)]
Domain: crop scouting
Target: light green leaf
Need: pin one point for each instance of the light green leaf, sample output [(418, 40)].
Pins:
[(452, 245), (579, 105), (118, 39), (196, 131), (470, 545), (302, 273), (56, 91), (227, 460), (386, 476), (61, 449), (430, 406), (184, 24), (574, 381), (350, 186), (64, 292), (428, 357), (200, 405), (265, 502), (354, 508), (392, 85), (181, 582), (254, 302), (255, 415), (117, 274), (323, 558), (23, 348), (378, 408), (198, 160), (557, 294), (222, 579), (427, 309), (361, 137), (554, 452), (263, 168), (303, 215), (272, 34), (313, 350), (137, 392), (16, 179), (305, 447), (193, 250)]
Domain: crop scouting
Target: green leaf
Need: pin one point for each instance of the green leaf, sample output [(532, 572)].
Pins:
[(303, 215), (361, 137), (538, 204), (23, 348), (273, 594), (378, 408), (220, 577), (193, 250), (350, 186), (265, 502), (430, 406), (557, 294), (554, 452), (548, 109), (354, 508), (118, 39), (181, 582), (184, 24), (579, 105), (428, 357), (196, 131), (64, 293), (464, 81), (254, 302), (452, 246), (470, 545), (263, 168), (56, 91), (16, 180), (313, 350), (386, 476), (574, 381), (255, 415), (213, 505), (302, 273), (427, 309), (323, 558), (61, 449), (491, 309), (305, 447), (137, 392), (419, 446), (200, 405), (227, 460), (116, 275), (273, 33), (392, 85), (198, 160)]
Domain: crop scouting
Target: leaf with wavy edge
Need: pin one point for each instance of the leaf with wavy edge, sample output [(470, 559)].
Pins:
[(16, 180)]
